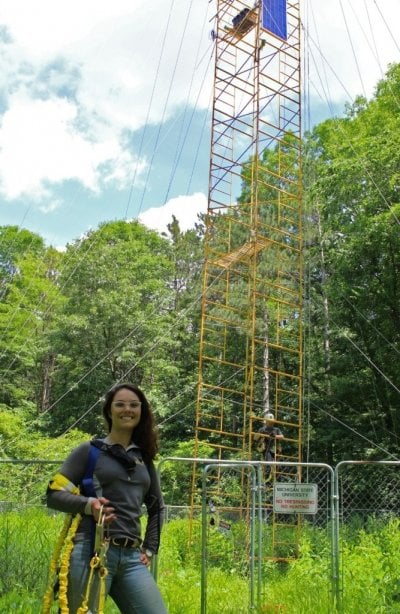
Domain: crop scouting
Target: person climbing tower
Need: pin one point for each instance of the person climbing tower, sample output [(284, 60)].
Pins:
[(267, 439)]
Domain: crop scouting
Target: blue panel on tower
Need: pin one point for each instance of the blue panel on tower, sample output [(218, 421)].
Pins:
[(274, 17)]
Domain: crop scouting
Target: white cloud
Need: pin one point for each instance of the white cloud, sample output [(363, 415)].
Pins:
[(184, 208), (119, 48), (52, 205), (41, 145), (76, 76)]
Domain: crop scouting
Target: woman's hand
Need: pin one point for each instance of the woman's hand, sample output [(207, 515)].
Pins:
[(108, 511), (146, 560)]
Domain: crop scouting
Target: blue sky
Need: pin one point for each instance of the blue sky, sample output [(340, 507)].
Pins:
[(105, 106)]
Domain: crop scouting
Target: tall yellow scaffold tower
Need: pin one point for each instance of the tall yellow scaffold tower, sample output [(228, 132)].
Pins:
[(251, 333)]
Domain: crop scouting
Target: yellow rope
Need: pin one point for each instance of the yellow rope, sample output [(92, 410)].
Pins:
[(102, 596), (84, 607), (62, 555), (95, 564), (60, 482), (98, 561), (49, 594), (64, 565), (61, 558)]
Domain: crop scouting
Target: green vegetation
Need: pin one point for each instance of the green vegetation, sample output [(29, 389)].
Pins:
[(119, 303), (371, 559), (354, 255), (124, 302)]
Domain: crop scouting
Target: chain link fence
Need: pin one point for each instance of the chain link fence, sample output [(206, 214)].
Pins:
[(335, 516), (28, 533), (248, 520), (368, 528)]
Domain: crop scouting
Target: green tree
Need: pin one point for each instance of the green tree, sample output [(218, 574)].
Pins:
[(15, 243), (176, 389), (28, 313), (355, 274), (115, 318)]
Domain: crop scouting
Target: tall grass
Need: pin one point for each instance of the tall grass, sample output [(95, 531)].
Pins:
[(26, 543), (370, 569)]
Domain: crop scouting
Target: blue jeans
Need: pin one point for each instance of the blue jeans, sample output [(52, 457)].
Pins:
[(128, 582)]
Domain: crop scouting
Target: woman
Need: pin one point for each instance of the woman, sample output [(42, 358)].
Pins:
[(123, 479)]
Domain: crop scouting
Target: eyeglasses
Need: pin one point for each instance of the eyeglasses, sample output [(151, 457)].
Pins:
[(130, 404)]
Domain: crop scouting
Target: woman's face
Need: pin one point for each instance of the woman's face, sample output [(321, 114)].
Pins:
[(125, 410)]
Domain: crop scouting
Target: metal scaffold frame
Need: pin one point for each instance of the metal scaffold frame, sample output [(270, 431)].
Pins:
[(251, 353)]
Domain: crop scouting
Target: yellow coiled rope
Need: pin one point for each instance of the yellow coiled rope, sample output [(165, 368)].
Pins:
[(64, 566), (60, 561), (59, 565)]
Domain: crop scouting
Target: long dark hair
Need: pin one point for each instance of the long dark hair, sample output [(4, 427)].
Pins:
[(144, 434)]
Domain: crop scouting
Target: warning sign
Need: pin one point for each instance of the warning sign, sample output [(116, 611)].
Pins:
[(295, 498)]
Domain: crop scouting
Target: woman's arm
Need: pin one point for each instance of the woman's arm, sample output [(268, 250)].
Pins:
[(63, 489), (155, 509)]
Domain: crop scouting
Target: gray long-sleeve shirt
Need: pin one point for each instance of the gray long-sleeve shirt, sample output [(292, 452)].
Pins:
[(127, 489)]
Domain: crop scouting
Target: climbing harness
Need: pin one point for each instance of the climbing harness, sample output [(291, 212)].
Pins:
[(97, 563), (59, 565), (97, 566)]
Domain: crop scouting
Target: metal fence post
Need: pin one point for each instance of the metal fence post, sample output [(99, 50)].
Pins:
[(335, 543)]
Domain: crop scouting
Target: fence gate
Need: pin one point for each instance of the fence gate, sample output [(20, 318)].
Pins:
[(353, 511), (249, 541)]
